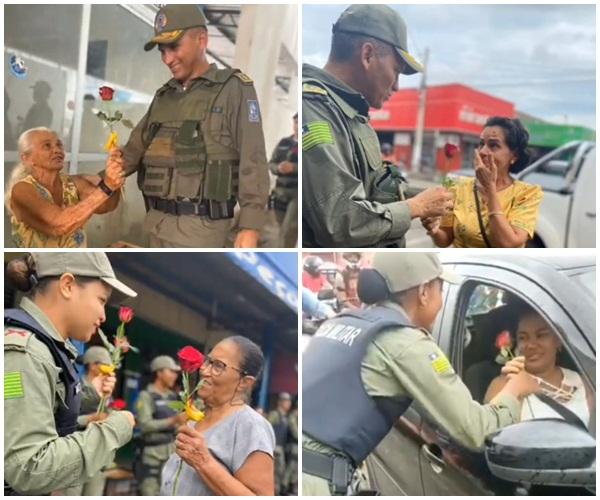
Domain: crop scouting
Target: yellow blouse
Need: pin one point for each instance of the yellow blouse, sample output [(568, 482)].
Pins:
[(520, 204), (25, 236)]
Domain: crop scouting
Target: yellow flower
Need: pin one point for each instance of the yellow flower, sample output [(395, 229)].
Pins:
[(193, 413), (113, 141), (107, 369)]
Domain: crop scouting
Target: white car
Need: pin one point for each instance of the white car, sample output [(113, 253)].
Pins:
[(568, 212)]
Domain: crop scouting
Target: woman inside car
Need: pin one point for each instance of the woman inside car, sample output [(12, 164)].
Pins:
[(539, 349)]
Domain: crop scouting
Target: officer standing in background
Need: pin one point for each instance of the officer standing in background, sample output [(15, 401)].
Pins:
[(376, 361), (349, 198), (279, 419), (284, 198), (65, 301), (199, 151), (92, 359), (157, 423), (291, 470)]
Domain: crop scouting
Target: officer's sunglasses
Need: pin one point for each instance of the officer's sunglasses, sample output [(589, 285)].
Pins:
[(217, 367)]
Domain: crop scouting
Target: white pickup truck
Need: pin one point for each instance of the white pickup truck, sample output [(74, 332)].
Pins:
[(568, 212)]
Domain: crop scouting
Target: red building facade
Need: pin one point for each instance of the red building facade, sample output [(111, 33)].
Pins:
[(454, 114)]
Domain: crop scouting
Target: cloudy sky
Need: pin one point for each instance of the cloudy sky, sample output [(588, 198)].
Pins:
[(540, 57)]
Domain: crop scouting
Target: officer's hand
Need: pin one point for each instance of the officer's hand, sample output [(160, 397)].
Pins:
[(97, 417), (432, 202), (179, 419), (514, 365), (521, 384), (285, 167), (114, 176), (130, 417), (247, 238), (104, 384), (431, 224)]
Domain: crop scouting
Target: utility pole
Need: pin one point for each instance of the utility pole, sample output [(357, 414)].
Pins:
[(415, 164)]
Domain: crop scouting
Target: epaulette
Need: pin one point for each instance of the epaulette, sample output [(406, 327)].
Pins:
[(16, 338), (244, 78), (313, 89)]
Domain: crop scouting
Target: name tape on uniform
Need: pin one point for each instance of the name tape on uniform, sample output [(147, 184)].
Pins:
[(345, 334)]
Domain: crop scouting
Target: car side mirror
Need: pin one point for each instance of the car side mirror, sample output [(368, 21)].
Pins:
[(326, 294), (555, 167), (545, 451)]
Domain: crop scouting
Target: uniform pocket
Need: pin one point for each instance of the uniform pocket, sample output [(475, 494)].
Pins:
[(189, 182), (157, 181), (219, 180)]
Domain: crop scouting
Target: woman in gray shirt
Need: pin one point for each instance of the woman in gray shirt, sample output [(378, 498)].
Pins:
[(230, 452)]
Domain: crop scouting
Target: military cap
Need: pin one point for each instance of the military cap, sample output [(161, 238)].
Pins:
[(84, 264), (405, 270), (284, 396), (380, 22), (171, 21), (96, 354), (162, 362)]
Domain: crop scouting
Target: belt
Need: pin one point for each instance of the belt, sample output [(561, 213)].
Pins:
[(337, 470), (176, 207)]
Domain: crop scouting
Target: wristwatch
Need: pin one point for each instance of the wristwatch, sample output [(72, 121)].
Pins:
[(102, 185)]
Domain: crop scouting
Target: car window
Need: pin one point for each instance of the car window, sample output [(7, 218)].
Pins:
[(498, 325)]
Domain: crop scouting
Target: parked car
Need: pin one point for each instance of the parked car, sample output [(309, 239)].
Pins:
[(568, 212), (418, 457)]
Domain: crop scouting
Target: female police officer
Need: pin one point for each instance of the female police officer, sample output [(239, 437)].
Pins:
[(42, 392)]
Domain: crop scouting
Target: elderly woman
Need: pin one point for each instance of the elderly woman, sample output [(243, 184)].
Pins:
[(540, 346), (49, 208), (230, 452), (497, 210)]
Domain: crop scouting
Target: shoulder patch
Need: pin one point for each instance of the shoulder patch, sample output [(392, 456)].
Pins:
[(13, 385), (440, 363), (244, 78), (16, 337), (315, 133), (313, 89)]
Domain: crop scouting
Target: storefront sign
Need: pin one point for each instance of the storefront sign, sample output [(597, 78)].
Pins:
[(259, 267)]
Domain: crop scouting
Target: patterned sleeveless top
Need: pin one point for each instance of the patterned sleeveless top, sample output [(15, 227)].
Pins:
[(25, 236)]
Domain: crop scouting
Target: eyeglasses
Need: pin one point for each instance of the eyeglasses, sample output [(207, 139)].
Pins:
[(218, 367)]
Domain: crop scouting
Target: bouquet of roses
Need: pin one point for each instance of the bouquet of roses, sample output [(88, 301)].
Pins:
[(120, 346), (190, 360)]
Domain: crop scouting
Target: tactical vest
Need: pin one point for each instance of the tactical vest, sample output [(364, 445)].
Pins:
[(336, 409), (287, 149), (189, 151), (65, 417), (367, 162), (281, 430), (161, 410)]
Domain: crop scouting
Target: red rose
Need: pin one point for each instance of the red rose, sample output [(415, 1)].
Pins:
[(450, 150), (190, 359), (504, 340), (125, 314), (118, 404), (106, 93)]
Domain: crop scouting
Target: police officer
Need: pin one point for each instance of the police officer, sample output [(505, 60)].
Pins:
[(375, 362), (284, 198), (43, 450), (350, 199), (92, 359), (157, 423), (279, 420), (199, 150), (291, 470)]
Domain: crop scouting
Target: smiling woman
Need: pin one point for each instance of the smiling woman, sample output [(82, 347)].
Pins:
[(230, 451), (49, 208)]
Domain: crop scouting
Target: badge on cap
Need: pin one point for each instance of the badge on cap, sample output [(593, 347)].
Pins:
[(253, 111), (161, 22)]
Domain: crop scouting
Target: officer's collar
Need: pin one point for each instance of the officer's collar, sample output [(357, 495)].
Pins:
[(210, 74), (349, 100), (40, 316)]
